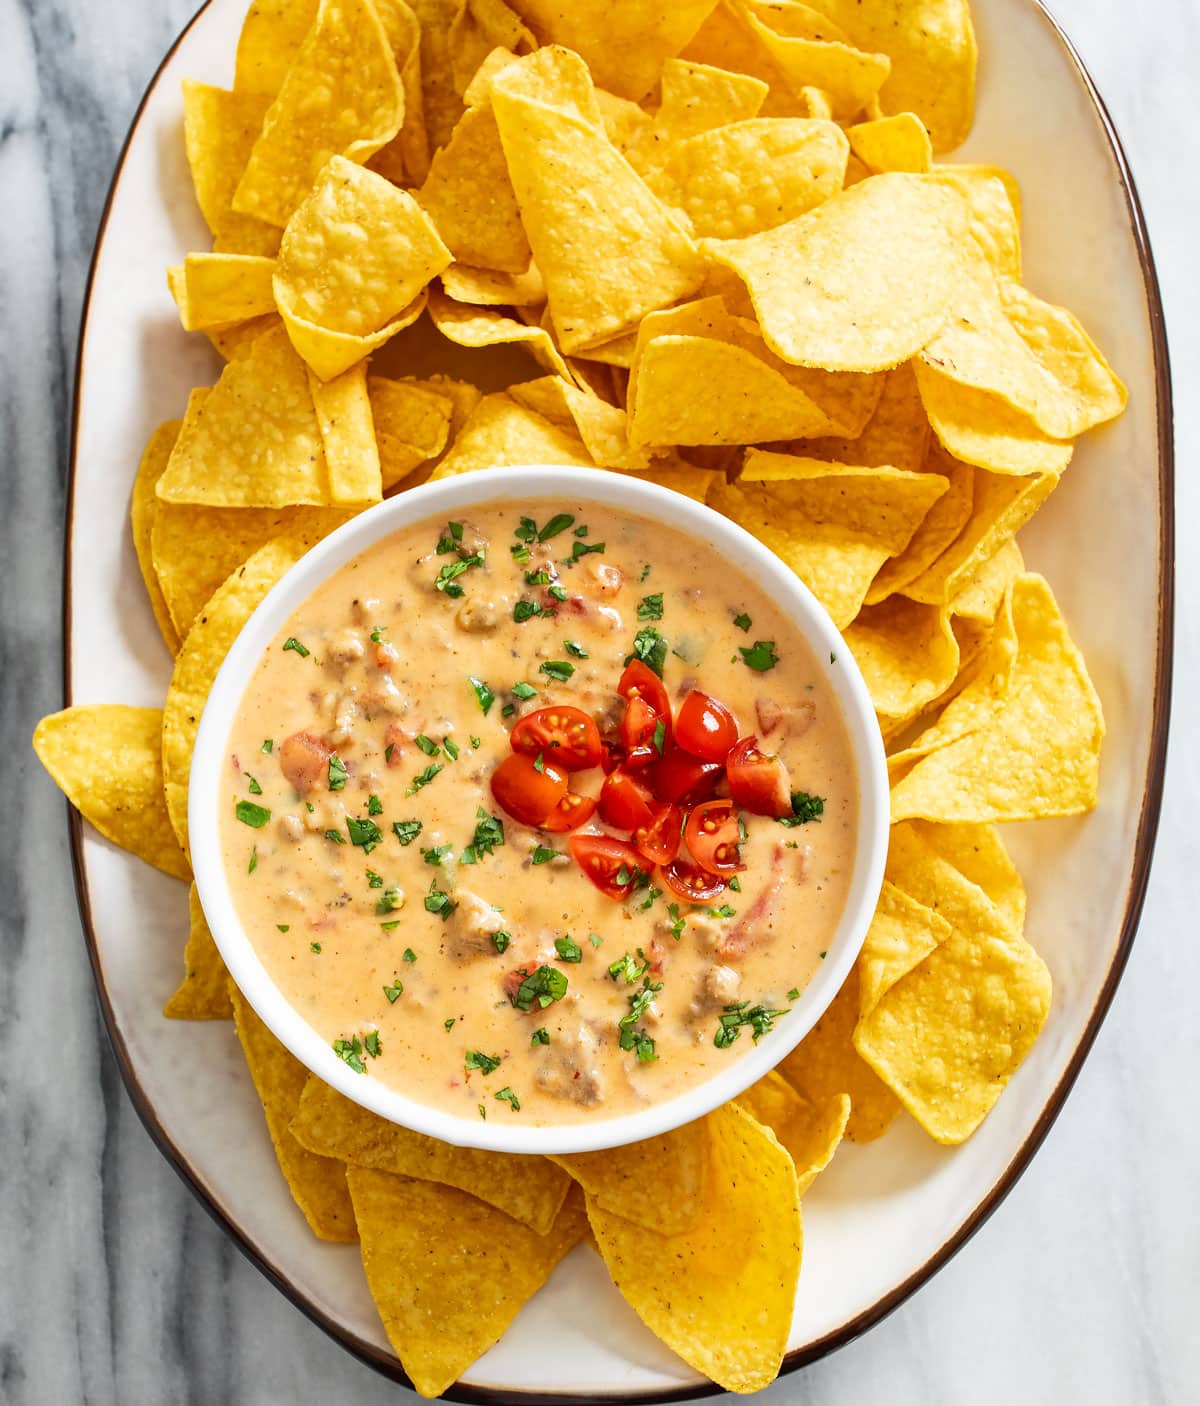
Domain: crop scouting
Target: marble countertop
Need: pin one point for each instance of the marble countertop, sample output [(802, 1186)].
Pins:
[(115, 1287)]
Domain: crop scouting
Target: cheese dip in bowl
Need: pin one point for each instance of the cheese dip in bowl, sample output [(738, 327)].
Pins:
[(539, 810)]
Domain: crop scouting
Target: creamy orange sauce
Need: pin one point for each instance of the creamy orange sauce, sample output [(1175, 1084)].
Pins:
[(342, 925)]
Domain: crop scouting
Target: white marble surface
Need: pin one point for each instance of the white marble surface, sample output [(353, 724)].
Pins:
[(117, 1290)]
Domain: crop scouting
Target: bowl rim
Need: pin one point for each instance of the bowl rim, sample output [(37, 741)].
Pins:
[(716, 536)]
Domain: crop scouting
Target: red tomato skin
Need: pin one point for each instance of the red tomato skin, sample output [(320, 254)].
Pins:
[(525, 793), (639, 680), (684, 779), (601, 857), (658, 842), (570, 813), (712, 837), (624, 801), (705, 727), (637, 732), (691, 883), (563, 734), (758, 783)]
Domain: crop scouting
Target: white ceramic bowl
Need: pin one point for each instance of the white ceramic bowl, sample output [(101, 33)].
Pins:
[(715, 537)]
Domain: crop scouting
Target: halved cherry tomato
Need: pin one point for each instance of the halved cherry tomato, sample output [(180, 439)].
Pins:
[(713, 835), (705, 727), (684, 779), (640, 681), (565, 735), (691, 883), (758, 783), (570, 813), (612, 754), (638, 728), (527, 794), (612, 865), (624, 801), (658, 841)]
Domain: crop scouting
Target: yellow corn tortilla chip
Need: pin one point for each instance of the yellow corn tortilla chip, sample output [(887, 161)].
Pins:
[(931, 44), (602, 427), (825, 1065), (201, 657), (343, 410), (1000, 506), (447, 1272), (220, 129), (1039, 755), (737, 180), (809, 1132), (896, 435), (697, 98), (342, 96), (270, 39), (954, 1016), (624, 44), (234, 342), (691, 481), (902, 934), (355, 258), (660, 1184), (317, 1184), (530, 1189), (477, 30), (215, 290), (492, 288), (487, 327), (203, 993), (976, 851), (995, 202), (254, 440), (862, 282), (907, 653), (107, 760), (833, 524), (471, 200), (722, 1294), (607, 247), (898, 143), (412, 425), (405, 159), (143, 511), (499, 433), (982, 429), (979, 598), (940, 528), (440, 102)]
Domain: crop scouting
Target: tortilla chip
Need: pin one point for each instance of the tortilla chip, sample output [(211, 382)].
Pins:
[(697, 97), (405, 159), (143, 511), (530, 1189), (219, 130), (487, 327), (1000, 507), (203, 993), (478, 29), (624, 45), (833, 524), (898, 143), (721, 1295), (602, 427), (254, 440), (348, 436), (107, 760), (660, 1185), (412, 425), (447, 1272), (979, 598), (499, 433), (440, 102), (491, 288), (994, 199), (317, 1184), (269, 42), (234, 342), (203, 652), (607, 247), (215, 290), (691, 481), (896, 435), (907, 653), (862, 282), (342, 96), (810, 1132), (825, 1065), (939, 530), (933, 55), (1037, 756)]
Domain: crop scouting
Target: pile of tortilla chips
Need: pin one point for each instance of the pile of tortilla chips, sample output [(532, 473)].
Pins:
[(717, 230)]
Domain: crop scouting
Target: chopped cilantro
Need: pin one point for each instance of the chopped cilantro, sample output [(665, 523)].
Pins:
[(560, 669), (650, 647), (364, 833), (639, 1002), (451, 539), (489, 833), (252, 786), (832, 657), (438, 902), (581, 531), (630, 967), (581, 549), (793, 993), (387, 752), (568, 949), (735, 884), (249, 813), (268, 745), (540, 1037), (558, 523), (558, 592), (577, 651), (649, 901), (427, 745), (409, 955), (295, 646), (392, 926), (406, 831), (501, 940), (508, 710), (377, 634), (724, 911), (436, 854), (482, 1111), (483, 692), (595, 939), (447, 577), (539, 763), (760, 656), (394, 991), (650, 607), (315, 948), (645, 573), (448, 1025), (542, 854), (760, 1020), (486, 1064), (337, 773), (253, 865), (350, 1052), (660, 736), (374, 805), (524, 691), (537, 578), (743, 621), (421, 781), (805, 808), (373, 1043), (526, 610), (389, 901), (506, 1095), (450, 747), (336, 836), (678, 922), (283, 927), (542, 987), (475, 742)]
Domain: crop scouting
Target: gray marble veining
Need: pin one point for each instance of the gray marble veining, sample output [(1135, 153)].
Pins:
[(117, 1290)]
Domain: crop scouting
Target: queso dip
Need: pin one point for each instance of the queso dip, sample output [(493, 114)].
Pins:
[(545, 813)]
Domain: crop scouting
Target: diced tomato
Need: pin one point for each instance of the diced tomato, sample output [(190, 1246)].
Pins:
[(684, 779), (659, 840), (691, 883), (705, 727), (758, 783), (570, 813), (713, 836), (624, 801), (637, 732), (565, 735), (304, 760), (612, 865), (612, 754), (647, 704), (640, 681), (527, 794)]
